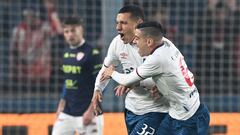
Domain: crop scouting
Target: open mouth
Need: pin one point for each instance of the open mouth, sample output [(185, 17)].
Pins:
[(121, 34)]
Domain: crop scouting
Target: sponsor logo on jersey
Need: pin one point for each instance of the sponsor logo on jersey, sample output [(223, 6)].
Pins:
[(71, 69), (69, 55), (123, 55), (80, 55), (95, 52)]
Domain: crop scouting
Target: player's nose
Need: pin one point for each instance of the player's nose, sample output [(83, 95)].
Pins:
[(118, 27)]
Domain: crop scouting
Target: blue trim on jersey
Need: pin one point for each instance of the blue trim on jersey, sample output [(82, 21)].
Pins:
[(138, 74), (63, 91), (105, 65), (156, 48)]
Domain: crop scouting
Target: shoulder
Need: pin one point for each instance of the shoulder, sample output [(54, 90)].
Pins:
[(20, 28), (160, 55), (116, 41), (167, 41), (89, 48), (153, 59), (116, 44), (92, 50)]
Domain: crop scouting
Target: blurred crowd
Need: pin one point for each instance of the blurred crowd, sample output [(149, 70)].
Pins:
[(33, 42), (206, 31)]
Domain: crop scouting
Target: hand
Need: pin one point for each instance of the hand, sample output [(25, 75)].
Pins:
[(107, 73), (49, 4), (87, 117), (120, 90), (155, 93), (96, 101)]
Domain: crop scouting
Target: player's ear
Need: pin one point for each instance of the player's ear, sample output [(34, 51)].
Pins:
[(150, 42), (139, 21)]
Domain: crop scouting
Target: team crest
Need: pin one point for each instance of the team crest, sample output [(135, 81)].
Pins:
[(80, 55), (123, 55)]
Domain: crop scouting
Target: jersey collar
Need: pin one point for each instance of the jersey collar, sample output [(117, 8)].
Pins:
[(80, 44), (157, 47)]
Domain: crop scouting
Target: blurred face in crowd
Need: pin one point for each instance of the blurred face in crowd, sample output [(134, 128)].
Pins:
[(73, 34), (221, 14), (31, 18), (143, 43), (161, 16), (125, 26)]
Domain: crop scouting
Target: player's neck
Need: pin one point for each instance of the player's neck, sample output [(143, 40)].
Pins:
[(77, 45), (131, 42), (156, 47)]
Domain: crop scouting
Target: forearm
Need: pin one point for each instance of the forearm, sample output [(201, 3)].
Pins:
[(100, 85), (53, 17), (90, 109), (61, 105), (126, 79)]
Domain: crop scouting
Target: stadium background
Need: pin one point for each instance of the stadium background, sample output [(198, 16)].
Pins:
[(206, 33)]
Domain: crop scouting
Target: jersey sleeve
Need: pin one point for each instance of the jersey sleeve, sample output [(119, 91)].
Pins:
[(110, 59), (98, 84), (96, 61), (63, 92), (149, 68), (126, 79)]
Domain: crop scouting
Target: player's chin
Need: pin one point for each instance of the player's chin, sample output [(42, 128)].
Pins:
[(140, 53)]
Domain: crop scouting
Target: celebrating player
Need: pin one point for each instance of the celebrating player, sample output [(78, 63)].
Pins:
[(166, 65), (142, 113)]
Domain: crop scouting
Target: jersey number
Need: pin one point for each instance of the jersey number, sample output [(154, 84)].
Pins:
[(185, 72), (128, 70), (144, 132)]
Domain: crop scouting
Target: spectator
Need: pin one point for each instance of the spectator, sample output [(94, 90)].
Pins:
[(216, 40), (162, 15), (30, 50)]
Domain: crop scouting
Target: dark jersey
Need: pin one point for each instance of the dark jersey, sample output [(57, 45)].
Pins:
[(80, 67)]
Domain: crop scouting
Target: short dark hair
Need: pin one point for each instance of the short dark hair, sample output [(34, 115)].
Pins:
[(135, 11), (73, 21), (153, 29)]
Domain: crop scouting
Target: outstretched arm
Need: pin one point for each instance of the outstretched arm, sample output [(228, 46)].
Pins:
[(123, 79)]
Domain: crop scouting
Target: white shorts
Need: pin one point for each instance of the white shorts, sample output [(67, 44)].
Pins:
[(69, 125)]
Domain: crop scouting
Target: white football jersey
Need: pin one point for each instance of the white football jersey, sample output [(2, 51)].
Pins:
[(169, 71), (138, 100)]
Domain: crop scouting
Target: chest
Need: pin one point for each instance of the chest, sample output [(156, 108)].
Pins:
[(75, 62), (129, 58)]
